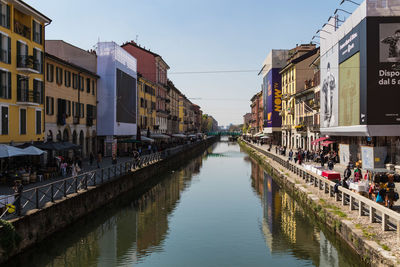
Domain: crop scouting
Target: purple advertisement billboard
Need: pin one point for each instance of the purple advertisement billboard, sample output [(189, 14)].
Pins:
[(273, 103)]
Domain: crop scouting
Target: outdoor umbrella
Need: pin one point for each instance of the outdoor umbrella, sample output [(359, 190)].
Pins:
[(33, 151), (10, 151)]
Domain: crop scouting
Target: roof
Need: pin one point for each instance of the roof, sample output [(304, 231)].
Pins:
[(132, 43), (45, 18), (62, 61), (300, 58)]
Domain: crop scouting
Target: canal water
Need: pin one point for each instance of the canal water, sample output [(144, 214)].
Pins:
[(221, 209)]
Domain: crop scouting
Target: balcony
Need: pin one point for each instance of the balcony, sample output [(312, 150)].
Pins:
[(28, 97), (28, 64), (22, 29)]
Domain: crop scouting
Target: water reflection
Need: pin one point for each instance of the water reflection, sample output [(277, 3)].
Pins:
[(287, 227), (205, 214)]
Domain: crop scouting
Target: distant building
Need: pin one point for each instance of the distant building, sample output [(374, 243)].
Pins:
[(146, 104), (117, 97), (257, 120)]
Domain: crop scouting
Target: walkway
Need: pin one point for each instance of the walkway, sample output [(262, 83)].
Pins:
[(338, 167), (106, 162)]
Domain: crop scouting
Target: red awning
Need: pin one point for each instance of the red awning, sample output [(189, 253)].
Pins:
[(327, 143), (316, 141)]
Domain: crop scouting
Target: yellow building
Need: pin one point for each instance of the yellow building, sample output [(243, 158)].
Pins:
[(71, 95), (147, 104), (21, 72)]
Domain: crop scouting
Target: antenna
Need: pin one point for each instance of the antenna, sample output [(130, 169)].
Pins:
[(137, 36)]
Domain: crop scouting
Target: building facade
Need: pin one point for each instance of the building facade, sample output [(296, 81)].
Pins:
[(257, 116), (22, 33), (173, 99), (295, 75), (71, 103), (117, 98), (146, 104), (153, 68)]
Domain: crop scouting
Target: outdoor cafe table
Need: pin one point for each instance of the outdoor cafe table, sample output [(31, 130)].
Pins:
[(331, 175)]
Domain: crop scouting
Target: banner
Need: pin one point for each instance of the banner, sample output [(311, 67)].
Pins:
[(274, 98)]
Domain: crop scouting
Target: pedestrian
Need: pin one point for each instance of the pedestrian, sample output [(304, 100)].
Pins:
[(322, 158), (296, 157), (290, 155), (91, 158), (357, 174), (114, 160), (18, 188), (300, 157), (98, 159), (276, 150), (74, 170), (347, 172), (330, 164)]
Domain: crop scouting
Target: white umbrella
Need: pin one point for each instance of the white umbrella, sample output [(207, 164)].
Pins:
[(10, 151), (146, 139), (33, 151), (160, 136), (179, 135)]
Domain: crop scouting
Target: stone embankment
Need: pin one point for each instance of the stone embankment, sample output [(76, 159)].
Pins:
[(377, 243), (37, 224)]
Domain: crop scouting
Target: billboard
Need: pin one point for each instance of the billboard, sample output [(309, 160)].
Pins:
[(273, 98), (126, 97), (329, 87), (349, 91), (383, 70)]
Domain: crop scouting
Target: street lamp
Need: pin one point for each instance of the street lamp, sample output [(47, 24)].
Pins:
[(339, 9), (350, 2)]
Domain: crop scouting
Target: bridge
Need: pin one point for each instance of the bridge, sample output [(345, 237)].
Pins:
[(223, 133)]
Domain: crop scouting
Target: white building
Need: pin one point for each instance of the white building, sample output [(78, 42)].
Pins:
[(117, 96)]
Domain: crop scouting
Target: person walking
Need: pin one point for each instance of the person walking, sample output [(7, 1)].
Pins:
[(114, 160), (290, 155), (347, 172)]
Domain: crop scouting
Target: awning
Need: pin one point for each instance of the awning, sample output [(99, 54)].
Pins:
[(179, 135), (160, 136), (192, 135), (265, 137), (146, 139), (33, 151), (327, 143), (10, 151), (259, 135), (58, 146), (316, 141)]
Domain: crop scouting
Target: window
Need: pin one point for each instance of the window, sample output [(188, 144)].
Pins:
[(88, 85), (93, 87), (50, 72), (4, 120), (74, 81), (68, 112), (5, 49), (81, 83), (73, 109), (82, 110), (22, 88), (38, 60), (22, 121), (37, 32), (38, 92), (49, 105), (22, 55), (59, 75), (5, 15), (141, 102), (38, 121), (67, 75), (5, 84)]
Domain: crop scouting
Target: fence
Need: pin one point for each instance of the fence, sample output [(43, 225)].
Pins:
[(36, 198), (389, 219)]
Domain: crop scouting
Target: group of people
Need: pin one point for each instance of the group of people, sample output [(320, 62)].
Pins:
[(381, 187), (69, 166)]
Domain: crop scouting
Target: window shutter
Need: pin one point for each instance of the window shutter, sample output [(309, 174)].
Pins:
[(1, 48), (73, 109), (2, 88), (47, 105), (9, 85), (18, 48), (8, 17), (9, 50), (26, 50), (41, 91), (41, 62)]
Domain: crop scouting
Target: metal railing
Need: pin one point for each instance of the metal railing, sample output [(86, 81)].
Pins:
[(37, 197), (389, 219)]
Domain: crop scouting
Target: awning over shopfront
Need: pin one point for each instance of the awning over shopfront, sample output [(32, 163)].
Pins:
[(10, 151), (265, 137), (179, 135), (33, 151), (316, 141), (159, 136), (57, 146), (327, 143)]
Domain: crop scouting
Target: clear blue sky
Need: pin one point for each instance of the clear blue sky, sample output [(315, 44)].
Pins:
[(196, 35)]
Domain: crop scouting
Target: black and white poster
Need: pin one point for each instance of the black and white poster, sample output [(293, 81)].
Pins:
[(389, 48), (329, 87)]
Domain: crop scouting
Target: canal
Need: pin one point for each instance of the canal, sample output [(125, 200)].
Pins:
[(221, 209)]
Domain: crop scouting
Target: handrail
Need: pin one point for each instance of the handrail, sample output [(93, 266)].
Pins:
[(389, 218)]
